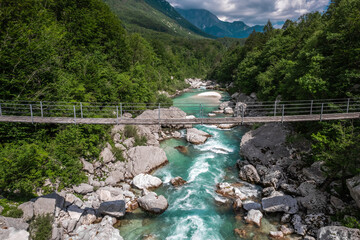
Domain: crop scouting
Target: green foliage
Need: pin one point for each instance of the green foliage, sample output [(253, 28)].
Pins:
[(313, 58), (10, 208), (131, 132), (349, 217), (41, 227), (338, 146)]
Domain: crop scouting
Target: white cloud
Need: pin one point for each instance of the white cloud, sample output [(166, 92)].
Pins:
[(255, 11)]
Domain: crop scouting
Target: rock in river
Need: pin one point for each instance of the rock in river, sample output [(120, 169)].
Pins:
[(254, 216), (279, 202), (153, 203), (177, 181), (196, 136), (147, 181)]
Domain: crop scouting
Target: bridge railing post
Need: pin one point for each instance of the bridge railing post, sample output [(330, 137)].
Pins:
[(311, 107), (275, 108), (0, 110), (159, 113), (74, 114), (242, 114), (41, 109), (322, 111), (31, 114), (81, 110), (282, 113), (117, 115), (121, 111), (348, 106)]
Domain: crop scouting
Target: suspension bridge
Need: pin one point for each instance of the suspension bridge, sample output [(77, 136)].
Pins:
[(164, 114)]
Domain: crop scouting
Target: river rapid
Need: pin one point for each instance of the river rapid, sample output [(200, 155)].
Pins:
[(194, 210)]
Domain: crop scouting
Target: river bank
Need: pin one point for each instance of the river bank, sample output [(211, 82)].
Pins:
[(239, 183)]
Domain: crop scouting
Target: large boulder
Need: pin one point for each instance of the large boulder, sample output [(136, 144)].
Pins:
[(12, 233), (338, 233), (144, 159), (353, 185), (28, 210), (113, 208), (153, 203), (100, 231), (313, 200), (254, 216), (279, 202), (248, 173), (147, 181), (196, 136), (265, 145), (49, 204), (106, 155)]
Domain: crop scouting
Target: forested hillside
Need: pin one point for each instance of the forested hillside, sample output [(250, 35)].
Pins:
[(317, 56), (78, 50)]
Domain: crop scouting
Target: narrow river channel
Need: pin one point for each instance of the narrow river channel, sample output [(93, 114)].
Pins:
[(194, 211)]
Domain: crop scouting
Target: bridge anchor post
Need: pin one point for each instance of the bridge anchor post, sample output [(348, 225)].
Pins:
[(41, 109), (282, 114), (74, 114), (242, 114), (348, 106), (0, 110), (117, 115), (31, 113), (322, 111)]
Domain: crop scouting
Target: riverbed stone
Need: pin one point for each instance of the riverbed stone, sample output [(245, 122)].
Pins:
[(229, 110), (177, 181), (153, 203), (254, 216), (299, 227), (83, 188), (314, 200), (12, 233), (196, 136), (100, 231), (353, 185), (48, 204), (276, 234), (248, 173), (147, 181), (113, 208), (248, 205), (279, 202), (338, 233)]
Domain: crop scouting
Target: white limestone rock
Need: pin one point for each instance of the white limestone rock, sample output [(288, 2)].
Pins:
[(254, 216), (196, 136), (248, 173), (338, 233), (147, 181), (144, 159), (83, 188), (153, 203)]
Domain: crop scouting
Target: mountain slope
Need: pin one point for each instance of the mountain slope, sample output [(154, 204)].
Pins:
[(146, 16), (212, 25)]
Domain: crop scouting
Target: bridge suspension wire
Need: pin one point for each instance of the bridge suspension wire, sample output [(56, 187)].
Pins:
[(126, 113)]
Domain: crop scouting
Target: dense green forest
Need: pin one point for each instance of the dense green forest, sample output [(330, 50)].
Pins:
[(78, 50), (316, 57)]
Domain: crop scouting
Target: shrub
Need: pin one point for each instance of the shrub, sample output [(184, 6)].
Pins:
[(41, 227)]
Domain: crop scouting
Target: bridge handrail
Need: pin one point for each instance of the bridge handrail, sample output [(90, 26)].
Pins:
[(117, 110)]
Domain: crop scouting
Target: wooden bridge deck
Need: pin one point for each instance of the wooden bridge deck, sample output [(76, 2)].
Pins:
[(226, 120)]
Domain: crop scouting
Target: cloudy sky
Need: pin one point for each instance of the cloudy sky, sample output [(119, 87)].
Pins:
[(254, 12)]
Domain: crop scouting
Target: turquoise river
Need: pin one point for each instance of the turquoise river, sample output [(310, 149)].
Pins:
[(194, 210)]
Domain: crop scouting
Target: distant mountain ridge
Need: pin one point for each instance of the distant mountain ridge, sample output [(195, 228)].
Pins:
[(211, 24), (154, 16)]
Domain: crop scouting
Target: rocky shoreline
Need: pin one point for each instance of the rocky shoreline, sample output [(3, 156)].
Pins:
[(289, 187)]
